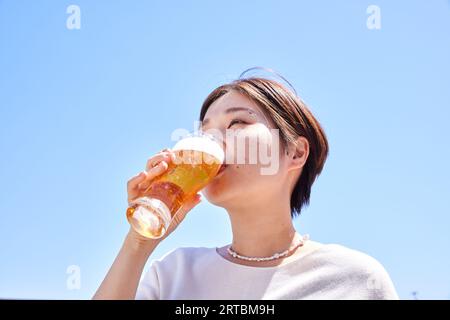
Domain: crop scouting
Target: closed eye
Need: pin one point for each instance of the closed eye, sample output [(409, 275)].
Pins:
[(234, 121)]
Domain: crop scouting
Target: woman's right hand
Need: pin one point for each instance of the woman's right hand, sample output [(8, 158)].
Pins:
[(123, 277), (136, 186)]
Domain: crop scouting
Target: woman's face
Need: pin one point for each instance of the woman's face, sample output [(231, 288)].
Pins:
[(255, 167)]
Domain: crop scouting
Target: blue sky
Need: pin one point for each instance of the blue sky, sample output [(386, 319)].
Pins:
[(81, 110)]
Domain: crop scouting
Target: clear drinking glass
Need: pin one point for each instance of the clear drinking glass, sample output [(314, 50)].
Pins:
[(198, 158)]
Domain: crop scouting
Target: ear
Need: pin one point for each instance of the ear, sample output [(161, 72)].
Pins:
[(298, 153)]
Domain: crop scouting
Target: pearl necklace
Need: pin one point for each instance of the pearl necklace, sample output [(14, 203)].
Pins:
[(275, 256)]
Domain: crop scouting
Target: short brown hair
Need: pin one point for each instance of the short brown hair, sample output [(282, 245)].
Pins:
[(292, 117)]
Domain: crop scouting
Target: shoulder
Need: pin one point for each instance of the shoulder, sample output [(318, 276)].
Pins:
[(356, 269), (186, 252), (348, 259), (342, 255), (183, 256)]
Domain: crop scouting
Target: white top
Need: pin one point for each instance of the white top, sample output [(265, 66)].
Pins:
[(330, 272)]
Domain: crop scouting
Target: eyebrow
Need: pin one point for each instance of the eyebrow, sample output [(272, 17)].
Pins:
[(231, 110)]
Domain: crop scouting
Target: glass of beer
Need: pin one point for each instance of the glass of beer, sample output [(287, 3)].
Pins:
[(198, 158)]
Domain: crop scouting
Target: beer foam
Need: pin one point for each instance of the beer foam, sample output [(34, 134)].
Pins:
[(201, 144)]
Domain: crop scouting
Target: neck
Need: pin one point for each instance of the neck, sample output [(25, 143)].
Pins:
[(263, 229)]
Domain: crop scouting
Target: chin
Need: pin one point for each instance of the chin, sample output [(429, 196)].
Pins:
[(216, 193)]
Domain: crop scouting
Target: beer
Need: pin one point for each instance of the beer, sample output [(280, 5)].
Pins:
[(197, 160)]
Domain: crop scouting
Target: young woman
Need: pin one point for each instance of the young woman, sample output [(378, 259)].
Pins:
[(268, 258)]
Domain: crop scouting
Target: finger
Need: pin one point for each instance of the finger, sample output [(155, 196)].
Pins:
[(153, 161), (170, 153), (134, 181), (153, 173)]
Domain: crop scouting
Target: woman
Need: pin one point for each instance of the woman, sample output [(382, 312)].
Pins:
[(261, 208)]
